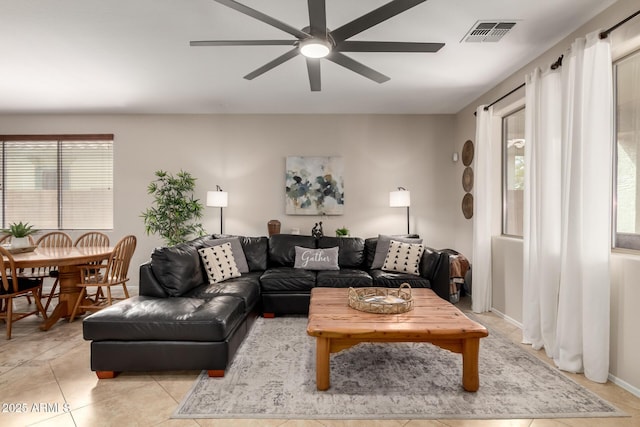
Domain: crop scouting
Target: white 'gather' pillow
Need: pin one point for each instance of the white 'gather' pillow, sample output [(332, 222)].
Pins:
[(317, 259)]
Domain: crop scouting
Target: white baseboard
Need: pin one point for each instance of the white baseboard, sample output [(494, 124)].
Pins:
[(625, 385), (617, 381), (507, 318)]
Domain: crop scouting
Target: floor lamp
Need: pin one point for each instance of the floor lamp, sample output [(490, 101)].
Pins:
[(218, 199), (401, 199)]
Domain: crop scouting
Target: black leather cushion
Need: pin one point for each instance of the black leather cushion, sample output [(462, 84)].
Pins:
[(255, 250), (387, 279), (23, 284), (202, 242), (178, 268), (344, 278), (246, 287), (149, 284), (350, 252), (282, 252), (369, 251), (167, 319), (287, 279), (429, 263)]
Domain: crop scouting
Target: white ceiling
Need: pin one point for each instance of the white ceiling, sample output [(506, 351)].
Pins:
[(133, 56)]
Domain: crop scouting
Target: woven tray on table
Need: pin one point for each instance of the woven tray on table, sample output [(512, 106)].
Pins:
[(382, 300)]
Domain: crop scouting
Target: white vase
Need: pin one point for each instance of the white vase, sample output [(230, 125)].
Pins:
[(19, 242)]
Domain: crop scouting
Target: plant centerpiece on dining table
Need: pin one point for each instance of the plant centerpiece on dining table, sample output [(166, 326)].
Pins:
[(20, 233), (175, 209)]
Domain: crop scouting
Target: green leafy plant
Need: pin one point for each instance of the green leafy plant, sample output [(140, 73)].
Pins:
[(19, 229), (344, 231), (175, 211)]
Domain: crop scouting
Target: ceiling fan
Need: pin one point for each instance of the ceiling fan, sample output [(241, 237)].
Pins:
[(316, 41)]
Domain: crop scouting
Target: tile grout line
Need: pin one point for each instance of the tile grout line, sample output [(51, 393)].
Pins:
[(62, 393)]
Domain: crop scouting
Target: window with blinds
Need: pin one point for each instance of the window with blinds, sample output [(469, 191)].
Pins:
[(57, 181)]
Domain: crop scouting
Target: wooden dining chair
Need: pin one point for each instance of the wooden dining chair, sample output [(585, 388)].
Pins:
[(53, 239), (114, 273), (13, 286), (93, 239)]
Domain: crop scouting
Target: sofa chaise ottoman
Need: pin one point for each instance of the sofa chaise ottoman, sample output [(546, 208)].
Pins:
[(179, 321)]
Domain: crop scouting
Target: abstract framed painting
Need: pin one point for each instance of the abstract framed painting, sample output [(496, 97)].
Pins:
[(314, 185)]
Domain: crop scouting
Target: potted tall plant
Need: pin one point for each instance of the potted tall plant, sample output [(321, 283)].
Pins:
[(20, 234), (175, 210)]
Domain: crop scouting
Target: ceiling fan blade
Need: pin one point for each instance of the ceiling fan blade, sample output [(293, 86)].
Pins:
[(317, 18), (313, 66), (372, 18), (269, 65), (366, 46), (357, 67), (243, 43), (264, 18)]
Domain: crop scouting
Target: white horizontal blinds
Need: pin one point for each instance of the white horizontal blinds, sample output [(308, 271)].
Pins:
[(30, 183), (58, 182), (87, 184)]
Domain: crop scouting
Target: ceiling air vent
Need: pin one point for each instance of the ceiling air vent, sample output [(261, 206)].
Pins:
[(487, 31)]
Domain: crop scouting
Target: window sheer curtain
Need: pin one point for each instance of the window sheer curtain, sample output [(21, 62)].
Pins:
[(542, 202), (567, 234), (482, 212)]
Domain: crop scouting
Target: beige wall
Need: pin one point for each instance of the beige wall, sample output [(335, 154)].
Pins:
[(507, 252), (245, 155)]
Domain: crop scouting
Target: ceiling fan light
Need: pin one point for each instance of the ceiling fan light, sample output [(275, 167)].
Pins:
[(315, 48)]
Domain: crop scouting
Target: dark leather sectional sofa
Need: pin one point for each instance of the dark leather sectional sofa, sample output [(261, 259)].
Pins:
[(181, 322)]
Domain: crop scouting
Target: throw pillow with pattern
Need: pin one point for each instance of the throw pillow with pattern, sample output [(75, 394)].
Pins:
[(382, 247), (403, 257), (219, 263)]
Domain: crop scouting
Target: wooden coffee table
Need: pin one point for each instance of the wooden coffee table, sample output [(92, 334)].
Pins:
[(337, 327)]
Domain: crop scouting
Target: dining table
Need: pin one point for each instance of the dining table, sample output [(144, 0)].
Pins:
[(67, 262)]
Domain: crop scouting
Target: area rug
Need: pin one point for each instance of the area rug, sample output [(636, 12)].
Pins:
[(273, 376)]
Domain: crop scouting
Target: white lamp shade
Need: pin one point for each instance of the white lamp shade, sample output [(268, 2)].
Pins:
[(399, 199), (218, 199)]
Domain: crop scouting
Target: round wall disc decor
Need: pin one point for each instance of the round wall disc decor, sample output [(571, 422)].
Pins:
[(467, 205), (467, 153), (467, 179)]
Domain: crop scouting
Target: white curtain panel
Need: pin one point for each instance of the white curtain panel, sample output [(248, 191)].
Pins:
[(542, 218), (567, 234), (482, 212), (587, 130)]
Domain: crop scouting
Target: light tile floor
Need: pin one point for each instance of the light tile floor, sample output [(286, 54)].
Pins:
[(45, 380)]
